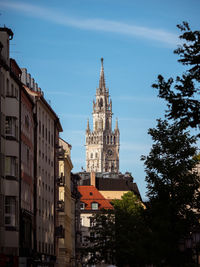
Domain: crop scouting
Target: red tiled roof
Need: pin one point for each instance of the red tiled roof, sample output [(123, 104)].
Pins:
[(90, 194)]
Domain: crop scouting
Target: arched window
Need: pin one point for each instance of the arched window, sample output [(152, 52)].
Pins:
[(91, 155), (107, 139), (101, 103), (114, 139), (111, 139), (107, 123)]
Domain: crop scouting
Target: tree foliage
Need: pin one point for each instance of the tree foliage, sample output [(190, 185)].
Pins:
[(173, 186), (115, 235), (101, 239), (181, 93), (173, 191), (130, 231)]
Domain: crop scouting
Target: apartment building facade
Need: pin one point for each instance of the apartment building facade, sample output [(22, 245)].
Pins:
[(27, 190), (46, 174), (10, 87)]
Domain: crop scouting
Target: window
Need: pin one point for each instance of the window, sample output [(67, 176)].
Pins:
[(82, 206), (7, 88), (11, 127), (107, 139), (43, 130), (27, 122), (91, 155), (39, 126), (11, 167), (10, 211), (2, 164), (94, 206), (2, 129), (16, 92), (2, 84), (12, 90), (28, 156)]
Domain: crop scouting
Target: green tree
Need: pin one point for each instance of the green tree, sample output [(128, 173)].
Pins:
[(117, 237), (181, 93), (131, 231), (101, 241), (173, 191), (173, 187)]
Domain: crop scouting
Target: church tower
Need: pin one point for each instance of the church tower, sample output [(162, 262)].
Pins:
[(102, 144)]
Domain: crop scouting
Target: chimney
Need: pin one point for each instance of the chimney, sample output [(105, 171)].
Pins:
[(92, 179)]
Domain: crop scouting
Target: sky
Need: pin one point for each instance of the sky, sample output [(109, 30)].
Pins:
[(61, 44)]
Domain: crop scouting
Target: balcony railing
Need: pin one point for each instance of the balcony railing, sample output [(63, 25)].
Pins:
[(60, 206), (60, 231), (61, 153), (61, 180)]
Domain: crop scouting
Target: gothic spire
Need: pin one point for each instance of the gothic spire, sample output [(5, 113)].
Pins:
[(102, 84), (88, 126), (116, 125)]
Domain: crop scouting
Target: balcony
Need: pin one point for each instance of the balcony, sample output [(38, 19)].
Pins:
[(60, 206), (61, 153), (60, 232), (61, 180)]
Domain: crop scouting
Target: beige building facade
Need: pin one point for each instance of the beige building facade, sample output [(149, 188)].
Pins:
[(64, 205)]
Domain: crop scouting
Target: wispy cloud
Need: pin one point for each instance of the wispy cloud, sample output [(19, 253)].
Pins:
[(95, 24)]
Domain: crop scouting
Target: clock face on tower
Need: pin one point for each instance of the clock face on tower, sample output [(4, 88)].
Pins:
[(109, 152)]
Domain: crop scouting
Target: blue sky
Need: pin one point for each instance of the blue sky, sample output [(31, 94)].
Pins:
[(61, 43)]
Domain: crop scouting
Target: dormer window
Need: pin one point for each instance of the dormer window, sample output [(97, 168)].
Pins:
[(82, 206), (95, 206)]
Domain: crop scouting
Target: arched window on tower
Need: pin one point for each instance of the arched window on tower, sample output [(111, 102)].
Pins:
[(101, 103), (107, 123), (107, 139), (114, 140), (111, 139)]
